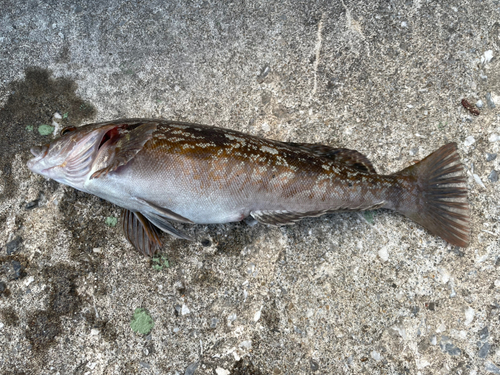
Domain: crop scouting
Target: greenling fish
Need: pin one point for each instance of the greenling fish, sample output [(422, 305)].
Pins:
[(165, 171)]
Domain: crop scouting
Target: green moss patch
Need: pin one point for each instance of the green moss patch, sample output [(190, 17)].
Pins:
[(142, 322)]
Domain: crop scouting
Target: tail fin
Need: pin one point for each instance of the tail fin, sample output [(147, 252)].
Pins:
[(436, 195)]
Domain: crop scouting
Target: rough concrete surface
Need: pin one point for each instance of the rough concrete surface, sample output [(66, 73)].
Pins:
[(348, 293)]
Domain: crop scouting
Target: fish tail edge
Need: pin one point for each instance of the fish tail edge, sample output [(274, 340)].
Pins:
[(436, 195)]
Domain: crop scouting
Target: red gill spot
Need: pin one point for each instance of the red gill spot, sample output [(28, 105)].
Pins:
[(111, 134)]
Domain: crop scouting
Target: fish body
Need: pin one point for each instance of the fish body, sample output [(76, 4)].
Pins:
[(162, 171)]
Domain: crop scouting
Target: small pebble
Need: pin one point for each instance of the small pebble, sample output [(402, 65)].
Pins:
[(494, 137), (263, 74), (383, 254), (57, 116), (14, 245), (469, 140), (376, 355), (314, 365), (29, 280), (484, 350), (490, 101), (13, 270), (484, 333), (191, 368), (490, 157), (247, 344), (448, 347), (452, 349), (479, 104), (213, 322), (478, 180), (490, 367), (178, 308), (469, 315), (221, 371), (256, 316), (185, 310), (486, 58), (32, 204), (493, 176)]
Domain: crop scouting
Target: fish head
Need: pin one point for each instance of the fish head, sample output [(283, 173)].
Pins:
[(69, 158)]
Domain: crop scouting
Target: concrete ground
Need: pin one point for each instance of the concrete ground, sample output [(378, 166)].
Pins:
[(348, 293)]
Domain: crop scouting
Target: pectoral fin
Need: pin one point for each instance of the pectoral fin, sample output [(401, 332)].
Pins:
[(352, 158), (165, 226), (140, 232), (125, 146), (164, 212)]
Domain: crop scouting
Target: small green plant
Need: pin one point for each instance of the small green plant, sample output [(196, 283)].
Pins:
[(160, 262), (65, 115), (441, 126), (45, 129), (29, 127), (142, 322), (111, 221), (369, 216)]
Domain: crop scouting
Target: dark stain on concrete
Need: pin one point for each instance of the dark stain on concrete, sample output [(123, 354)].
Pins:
[(12, 267), (9, 316), (31, 103), (45, 325), (245, 367)]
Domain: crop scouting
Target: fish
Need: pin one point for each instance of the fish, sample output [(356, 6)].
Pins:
[(162, 172)]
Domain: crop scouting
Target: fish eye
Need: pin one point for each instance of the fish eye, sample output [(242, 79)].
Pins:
[(67, 129)]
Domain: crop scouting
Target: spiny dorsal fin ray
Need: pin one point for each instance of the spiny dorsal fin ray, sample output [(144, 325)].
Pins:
[(352, 158)]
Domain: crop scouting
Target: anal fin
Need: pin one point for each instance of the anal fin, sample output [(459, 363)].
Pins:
[(283, 217)]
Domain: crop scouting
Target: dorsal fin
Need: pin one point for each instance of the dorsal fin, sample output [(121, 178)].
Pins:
[(352, 158)]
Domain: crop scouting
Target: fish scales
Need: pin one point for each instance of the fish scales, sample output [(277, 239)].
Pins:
[(258, 174), (165, 171)]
